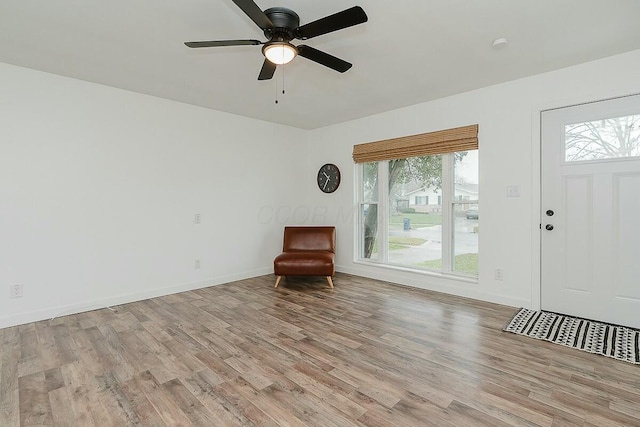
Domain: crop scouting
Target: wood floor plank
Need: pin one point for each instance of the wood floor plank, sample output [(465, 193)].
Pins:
[(239, 404), (47, 348), (61, 407), (120, 409), (222, 413), (367, 353), (325, 393), (144, 410), (464, 415), (53, 379), (189, 404), (35, 409), (165, 405), (250, 371), (264, 402), (84, 406), (306, 406), (9, 385)]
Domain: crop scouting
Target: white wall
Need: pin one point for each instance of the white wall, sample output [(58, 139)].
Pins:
[(99, 186), (508, 116)]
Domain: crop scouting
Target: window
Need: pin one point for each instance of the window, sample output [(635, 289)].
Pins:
[(439, 237), (610, 138)]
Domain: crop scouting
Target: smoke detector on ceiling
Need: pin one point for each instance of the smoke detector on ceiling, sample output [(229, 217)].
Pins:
[(499, 43)]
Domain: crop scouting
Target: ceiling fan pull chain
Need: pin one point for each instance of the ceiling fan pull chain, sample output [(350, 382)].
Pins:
[(282, 80), (276, 82)]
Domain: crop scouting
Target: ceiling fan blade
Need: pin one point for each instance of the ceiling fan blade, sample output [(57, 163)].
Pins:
[(255, 13), (217, 43), (323, 58), (337, 21), (267, 71)]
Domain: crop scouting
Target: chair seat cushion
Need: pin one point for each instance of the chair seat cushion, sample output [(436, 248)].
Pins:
[(304, 263)]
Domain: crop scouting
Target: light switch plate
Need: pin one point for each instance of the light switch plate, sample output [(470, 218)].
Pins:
[(513, 191)]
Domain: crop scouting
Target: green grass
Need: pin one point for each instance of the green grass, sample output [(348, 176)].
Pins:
[(465, 263), (417, 219)]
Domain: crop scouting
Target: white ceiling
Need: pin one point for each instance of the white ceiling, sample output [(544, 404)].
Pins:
[(410, 51)]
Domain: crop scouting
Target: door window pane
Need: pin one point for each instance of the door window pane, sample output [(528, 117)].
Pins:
[(611, 138)]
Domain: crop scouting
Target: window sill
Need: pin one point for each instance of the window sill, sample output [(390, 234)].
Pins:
[(405, 269)]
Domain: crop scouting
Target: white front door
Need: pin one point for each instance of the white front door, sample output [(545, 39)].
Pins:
[(591, 211)]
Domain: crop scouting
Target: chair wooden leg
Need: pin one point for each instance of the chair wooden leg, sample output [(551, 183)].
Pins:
[(277, 281), (330, 282)]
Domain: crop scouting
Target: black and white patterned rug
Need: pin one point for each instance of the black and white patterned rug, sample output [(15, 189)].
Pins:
[(618, 342)]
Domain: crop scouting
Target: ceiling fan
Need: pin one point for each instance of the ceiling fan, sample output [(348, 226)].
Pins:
[(281, 25)]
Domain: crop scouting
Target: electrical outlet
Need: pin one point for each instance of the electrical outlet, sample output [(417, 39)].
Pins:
[(498, 274), (15, 291), (197, 219), (196, 263)]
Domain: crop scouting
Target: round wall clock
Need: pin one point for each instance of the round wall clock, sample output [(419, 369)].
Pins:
[(328, 178)]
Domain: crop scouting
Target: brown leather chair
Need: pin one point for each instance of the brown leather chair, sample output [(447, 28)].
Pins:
[(307, 251)]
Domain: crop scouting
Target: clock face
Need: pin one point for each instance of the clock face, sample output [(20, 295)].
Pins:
[(328, 178)]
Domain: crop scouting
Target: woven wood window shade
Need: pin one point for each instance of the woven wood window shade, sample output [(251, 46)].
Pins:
[(440, 142)]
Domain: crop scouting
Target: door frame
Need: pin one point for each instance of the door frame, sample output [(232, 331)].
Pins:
[(536, 179)]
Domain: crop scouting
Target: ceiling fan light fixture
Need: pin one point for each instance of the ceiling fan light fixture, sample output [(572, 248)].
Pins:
[(279, 52)]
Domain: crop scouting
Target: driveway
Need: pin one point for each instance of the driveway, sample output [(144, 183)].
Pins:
[(466, 241)]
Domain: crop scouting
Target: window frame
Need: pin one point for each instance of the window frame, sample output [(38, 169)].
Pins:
[(448, 202)]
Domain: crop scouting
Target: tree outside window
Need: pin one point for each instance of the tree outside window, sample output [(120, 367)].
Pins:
[(611, 138)]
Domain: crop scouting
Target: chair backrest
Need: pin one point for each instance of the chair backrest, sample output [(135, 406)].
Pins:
[(309, 238)]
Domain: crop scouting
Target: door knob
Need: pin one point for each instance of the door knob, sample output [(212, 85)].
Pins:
[(550, 212), (549, 227)]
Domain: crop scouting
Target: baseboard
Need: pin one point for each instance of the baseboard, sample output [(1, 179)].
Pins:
[(451, 287), (65, 310), (462, 290)]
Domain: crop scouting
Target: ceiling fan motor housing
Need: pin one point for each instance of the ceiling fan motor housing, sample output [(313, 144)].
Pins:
[(284, 20)]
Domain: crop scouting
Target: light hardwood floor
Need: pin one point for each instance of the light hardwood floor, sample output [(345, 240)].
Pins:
[(366, 353)]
